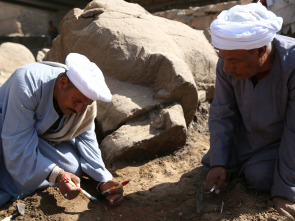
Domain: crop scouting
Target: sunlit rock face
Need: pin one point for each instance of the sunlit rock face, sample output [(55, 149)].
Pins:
[(12, 56)]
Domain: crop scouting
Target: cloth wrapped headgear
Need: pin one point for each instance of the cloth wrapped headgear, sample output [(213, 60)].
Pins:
[(87, 77), (244, 27)]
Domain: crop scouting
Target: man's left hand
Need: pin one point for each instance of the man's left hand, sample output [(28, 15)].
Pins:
[(115, 196), (284, 207)]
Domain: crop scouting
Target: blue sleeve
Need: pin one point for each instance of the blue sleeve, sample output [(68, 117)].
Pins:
[(91, 160), (284, 174), (223, 118), (24, 162)]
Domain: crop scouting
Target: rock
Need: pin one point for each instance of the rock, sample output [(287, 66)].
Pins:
[(13, 56), (202, 96), (202, 22), (11, 27), (163, 131), (129, 101), (149, 63), (209, 88), (41, 54)]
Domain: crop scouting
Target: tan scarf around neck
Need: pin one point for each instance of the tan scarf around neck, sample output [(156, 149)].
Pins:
[(73, 126)]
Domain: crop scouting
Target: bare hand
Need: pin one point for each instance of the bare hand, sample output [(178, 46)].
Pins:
[(284, 207), (65, 187), (115, 195), (216, 176)]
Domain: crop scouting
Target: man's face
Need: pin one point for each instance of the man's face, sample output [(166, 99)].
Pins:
[(69, 99), (241, 64)]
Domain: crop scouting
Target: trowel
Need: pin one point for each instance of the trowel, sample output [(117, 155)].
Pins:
[(201, 200), (20, 210)]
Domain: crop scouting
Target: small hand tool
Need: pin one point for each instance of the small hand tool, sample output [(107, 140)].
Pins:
[(92, 198), (200, 199), (106, 192), (20, 210)]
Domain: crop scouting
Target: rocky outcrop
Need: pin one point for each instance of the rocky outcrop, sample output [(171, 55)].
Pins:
[(41, 54), (151, 66), (12, 56)]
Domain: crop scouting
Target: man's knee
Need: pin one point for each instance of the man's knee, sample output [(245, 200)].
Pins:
[(259, 175)]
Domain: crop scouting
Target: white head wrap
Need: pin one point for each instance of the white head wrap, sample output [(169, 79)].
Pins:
[(87, 77), (244, 27)]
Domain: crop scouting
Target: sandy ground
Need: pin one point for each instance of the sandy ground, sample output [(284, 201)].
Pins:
[(163, 188)]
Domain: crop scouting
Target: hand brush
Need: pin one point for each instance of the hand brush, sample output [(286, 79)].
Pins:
[(201, 200), (20, 210), (106, 192), (92, 198)]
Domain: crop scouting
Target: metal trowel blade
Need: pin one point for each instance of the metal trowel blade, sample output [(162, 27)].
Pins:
[(200, 202)]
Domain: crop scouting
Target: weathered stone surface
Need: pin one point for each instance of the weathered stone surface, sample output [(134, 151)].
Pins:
[(209, 88), (198, 17), (41, 54), (199, 11), (129, 101), (202, 22), (12, 56), (149, 63), (202, 96), (163, 131), (10, 27), (18, 20)]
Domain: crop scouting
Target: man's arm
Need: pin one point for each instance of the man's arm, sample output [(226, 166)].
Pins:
[(91, 160), (22, 147), (222, 123), (24, 162), (223, 118), (93, 165)]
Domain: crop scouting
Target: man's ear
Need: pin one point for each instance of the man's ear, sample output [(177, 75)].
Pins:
[(262, 51), (63, 82)]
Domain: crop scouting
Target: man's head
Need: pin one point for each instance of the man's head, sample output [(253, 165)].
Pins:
[(244, 64), (82, 84), (243, 36)]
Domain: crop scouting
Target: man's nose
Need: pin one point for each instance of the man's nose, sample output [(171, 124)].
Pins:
[(80, 108)]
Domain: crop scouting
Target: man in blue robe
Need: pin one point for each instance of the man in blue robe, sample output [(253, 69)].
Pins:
[(47, 113), (252, 116)]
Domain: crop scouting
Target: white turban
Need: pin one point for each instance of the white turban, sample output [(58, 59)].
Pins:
[(87, 77), (244, 27)]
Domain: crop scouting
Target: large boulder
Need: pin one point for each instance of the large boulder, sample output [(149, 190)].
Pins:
[(151, 65), (12, 56)]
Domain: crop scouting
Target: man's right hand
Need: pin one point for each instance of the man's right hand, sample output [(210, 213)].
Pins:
[(116, 195), (216, 176), (284, 207), (65, 187)]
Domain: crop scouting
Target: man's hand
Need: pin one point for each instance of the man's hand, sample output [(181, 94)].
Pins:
[(216, 176), (67, 188), (115, 195), (284, 207)]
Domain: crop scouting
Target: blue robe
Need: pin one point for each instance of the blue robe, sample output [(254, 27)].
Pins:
[(256, 125), (26, 112)]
